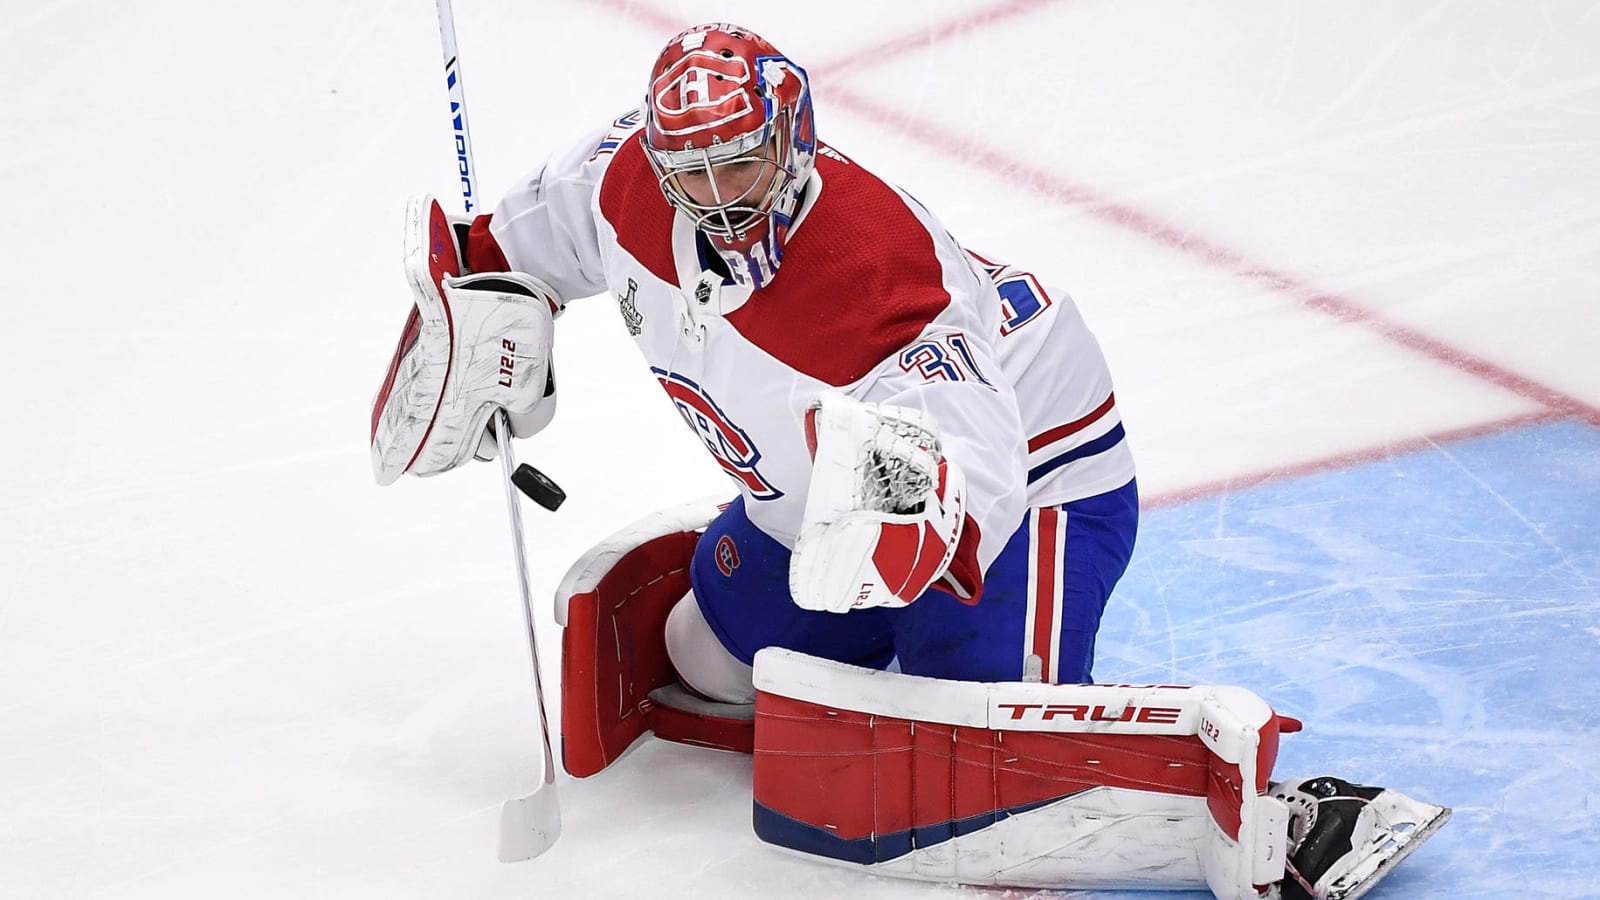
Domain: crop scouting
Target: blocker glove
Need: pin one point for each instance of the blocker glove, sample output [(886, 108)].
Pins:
[(472, 344)]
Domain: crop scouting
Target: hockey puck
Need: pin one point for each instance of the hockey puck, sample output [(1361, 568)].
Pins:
[(538, 487)]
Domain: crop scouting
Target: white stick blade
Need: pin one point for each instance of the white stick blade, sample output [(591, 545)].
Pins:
[(529, 825)]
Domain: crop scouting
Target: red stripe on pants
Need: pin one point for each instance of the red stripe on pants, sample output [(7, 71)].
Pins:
[(1044, 598)]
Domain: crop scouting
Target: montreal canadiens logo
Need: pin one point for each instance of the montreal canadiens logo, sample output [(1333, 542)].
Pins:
[(727, 555), (702, 90), (727, 442)]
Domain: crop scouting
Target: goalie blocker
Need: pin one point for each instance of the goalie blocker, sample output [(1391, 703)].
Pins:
[(472, 344)]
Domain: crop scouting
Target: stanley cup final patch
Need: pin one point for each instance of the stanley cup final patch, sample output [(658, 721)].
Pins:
[(631, 316)]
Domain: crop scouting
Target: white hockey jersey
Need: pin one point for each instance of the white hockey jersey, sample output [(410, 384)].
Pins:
[(874, 298)]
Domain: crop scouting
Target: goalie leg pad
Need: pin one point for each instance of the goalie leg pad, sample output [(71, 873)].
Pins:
[(617, 681), (1025, 785)]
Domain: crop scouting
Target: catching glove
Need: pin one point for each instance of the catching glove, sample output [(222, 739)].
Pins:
[(884, 512)]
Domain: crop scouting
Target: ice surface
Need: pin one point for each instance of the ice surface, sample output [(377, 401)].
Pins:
[(1343, 259)]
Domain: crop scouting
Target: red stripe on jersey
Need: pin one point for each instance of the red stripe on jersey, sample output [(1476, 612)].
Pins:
[(631, 200), (859, 281), (483, 253), (986, 263), (1061, 431)]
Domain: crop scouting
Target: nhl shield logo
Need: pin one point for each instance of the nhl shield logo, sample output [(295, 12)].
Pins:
[(631, 316)]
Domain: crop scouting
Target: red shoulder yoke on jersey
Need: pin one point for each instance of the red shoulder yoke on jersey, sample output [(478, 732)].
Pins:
[(617, 683), (1018, 784), (481, 251)]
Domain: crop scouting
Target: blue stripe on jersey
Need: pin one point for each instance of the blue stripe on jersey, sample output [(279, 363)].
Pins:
[(1099, 445)]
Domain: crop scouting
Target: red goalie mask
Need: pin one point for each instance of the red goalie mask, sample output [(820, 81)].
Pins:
[(729, 132)]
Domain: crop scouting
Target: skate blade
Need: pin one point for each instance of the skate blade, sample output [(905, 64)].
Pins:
[(1389, 852)]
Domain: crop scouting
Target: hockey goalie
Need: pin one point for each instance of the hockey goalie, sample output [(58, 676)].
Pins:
[(933, 498)]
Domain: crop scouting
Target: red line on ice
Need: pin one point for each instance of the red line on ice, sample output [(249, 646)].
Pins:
[(969, 152), (884, 51), (658, 20), (1344, 460), (1054, 187)]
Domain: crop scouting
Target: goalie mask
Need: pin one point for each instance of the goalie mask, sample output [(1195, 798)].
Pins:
[(729, 132)]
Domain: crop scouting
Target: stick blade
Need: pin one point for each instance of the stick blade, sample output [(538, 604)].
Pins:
[(529, 825)]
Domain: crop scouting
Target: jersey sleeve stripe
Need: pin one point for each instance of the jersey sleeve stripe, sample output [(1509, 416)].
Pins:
[(1044, 439), (1099, 445)]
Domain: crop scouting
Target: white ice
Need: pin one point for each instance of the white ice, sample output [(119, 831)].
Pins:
[(1307, 233)]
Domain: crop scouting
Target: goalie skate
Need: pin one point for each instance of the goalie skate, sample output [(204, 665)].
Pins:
[(1344, 837)]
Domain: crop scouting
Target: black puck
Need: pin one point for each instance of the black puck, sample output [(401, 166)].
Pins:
[(538, 487)]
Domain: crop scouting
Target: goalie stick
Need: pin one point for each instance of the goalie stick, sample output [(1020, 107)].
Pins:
[(528, 825)]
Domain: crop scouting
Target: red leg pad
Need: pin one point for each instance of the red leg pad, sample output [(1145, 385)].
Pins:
[(614, 653), (1014, 783)]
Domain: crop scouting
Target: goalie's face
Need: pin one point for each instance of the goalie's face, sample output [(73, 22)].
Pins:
[(729, 198)]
